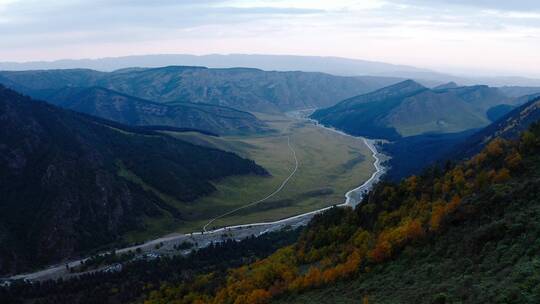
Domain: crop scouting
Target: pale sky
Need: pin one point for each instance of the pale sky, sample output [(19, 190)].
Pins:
[(477, 36)]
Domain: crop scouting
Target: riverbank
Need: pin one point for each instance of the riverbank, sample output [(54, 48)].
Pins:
[(167, 245)]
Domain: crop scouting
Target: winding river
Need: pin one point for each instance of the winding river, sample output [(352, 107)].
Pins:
[(237, 232)]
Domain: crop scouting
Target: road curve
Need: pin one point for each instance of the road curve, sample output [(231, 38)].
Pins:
[(281, 186), (237, 232)]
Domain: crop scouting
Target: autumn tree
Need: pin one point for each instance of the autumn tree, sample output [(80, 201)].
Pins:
[(381, 252), (495, 147), (501, 176), (514, 160), (258, 296)]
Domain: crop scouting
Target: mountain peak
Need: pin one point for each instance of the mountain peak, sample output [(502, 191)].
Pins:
[(449, 85), (409, 83), (405, 87)]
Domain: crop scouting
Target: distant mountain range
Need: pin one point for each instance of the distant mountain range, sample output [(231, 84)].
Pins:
[(331, 65), (240, 88), (135, 111), (64, 180), (515, 91), (410, 109)]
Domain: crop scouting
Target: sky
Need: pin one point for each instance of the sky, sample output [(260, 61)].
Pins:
[(481, 37)]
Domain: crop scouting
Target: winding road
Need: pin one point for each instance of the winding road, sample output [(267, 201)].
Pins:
[(204, 238), (283, 184)]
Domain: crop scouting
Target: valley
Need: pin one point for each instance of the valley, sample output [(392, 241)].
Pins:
[(270, 152), (329, 165), (262, 221)]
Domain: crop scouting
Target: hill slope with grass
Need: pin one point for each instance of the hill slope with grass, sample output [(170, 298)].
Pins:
[(409, 109), (135, 111), (239, 88), (62, 193), (509, 126)]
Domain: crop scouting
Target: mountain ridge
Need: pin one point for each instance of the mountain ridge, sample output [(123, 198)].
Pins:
[(410, 109), (508, 127), (327, 64), (136, 111), (62, 188), (240, 88)]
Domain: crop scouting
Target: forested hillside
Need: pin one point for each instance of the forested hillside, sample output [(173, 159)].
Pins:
[(482, 213), (62, 188), (411, 154), (141, 275), (509, 126)]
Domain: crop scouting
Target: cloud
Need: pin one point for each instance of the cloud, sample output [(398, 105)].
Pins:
[(503, 5), (403, 31), (39, 17)]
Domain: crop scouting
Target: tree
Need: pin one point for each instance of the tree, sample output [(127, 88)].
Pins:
[(495, 147), (502, 176), (528, 140), (437, 215), (381, 252), (352, 263), (481, 180), (412, 183), (414, 230), (258, 296), (365, 300), (330, 275), (313, 277), (458, 177), (361, 239), (513, 161)]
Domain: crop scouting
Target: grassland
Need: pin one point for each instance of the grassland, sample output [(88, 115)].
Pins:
[(330, 165)]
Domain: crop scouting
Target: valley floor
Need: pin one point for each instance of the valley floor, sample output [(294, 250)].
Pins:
[(329, 165), (347, 167)]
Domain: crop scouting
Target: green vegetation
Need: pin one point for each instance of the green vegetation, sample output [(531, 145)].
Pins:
[(493, 258), (499, 111), (143, 274), (239, 88), (100, 260), (330, 165), (62, 194), (135, 111), (466, 234), (409, 109)]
